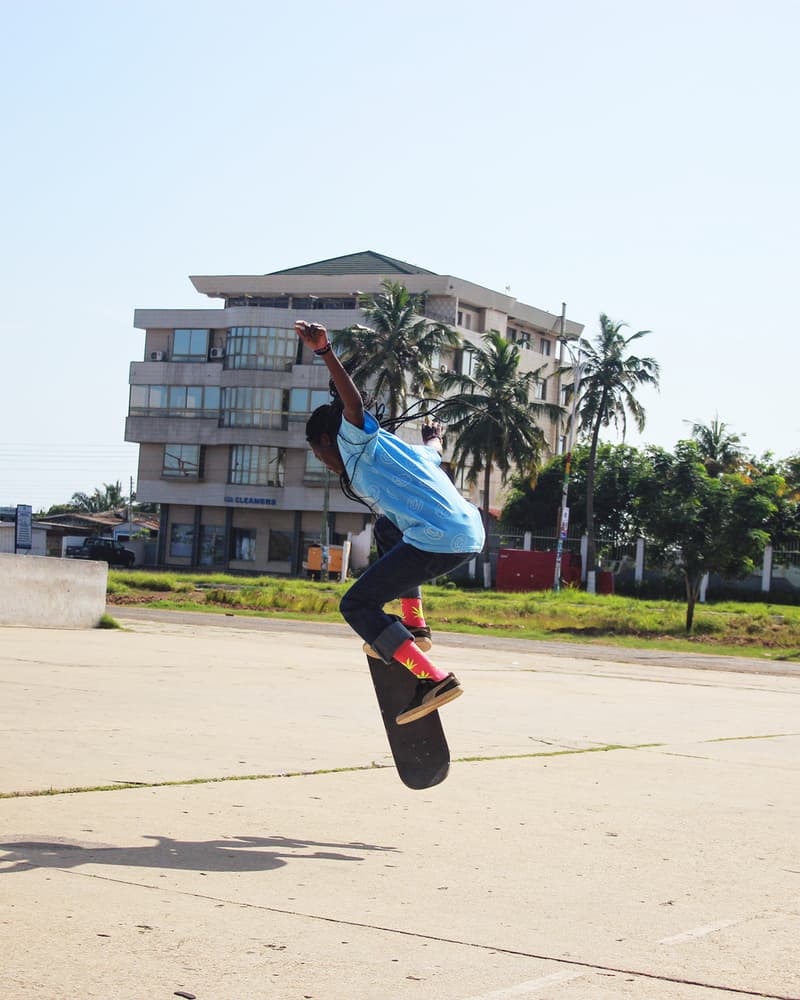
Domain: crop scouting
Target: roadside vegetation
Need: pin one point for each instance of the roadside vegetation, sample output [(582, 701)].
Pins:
[(745, 629)]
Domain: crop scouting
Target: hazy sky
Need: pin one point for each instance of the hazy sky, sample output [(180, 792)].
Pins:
[(629, 158)]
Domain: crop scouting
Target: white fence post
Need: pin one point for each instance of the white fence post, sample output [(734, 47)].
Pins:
[(527, 542), (584, 555), (766, 569), (703, 587), (638, 573), (345, 560)]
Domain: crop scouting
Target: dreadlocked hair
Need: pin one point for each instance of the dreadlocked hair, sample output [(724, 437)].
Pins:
[(327, 419)]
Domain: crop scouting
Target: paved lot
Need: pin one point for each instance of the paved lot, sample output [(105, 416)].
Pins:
[(614, 826)]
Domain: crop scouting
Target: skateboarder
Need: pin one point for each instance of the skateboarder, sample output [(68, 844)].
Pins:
[(437, 529)]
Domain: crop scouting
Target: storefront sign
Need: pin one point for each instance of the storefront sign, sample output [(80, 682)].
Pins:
[(24, 532), (264, 501)]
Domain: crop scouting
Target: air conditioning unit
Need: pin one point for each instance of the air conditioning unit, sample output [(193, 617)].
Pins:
[(216, 353), (158, 356)]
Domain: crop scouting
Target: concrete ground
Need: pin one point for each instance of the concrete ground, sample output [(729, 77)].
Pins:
[(615, 825)]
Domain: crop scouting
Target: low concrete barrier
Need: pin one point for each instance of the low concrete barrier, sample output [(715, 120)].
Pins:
[(51, 593)]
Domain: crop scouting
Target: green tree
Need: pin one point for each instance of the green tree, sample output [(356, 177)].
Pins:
[(702, 523), (533, 505), (609, 379), (784, 525), (720, 448), (492, 419), (109, 498), (394, 357)]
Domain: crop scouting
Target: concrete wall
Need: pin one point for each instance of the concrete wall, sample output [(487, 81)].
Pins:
[(51, 593)]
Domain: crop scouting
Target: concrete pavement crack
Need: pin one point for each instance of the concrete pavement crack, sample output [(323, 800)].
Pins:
[(576, 963)]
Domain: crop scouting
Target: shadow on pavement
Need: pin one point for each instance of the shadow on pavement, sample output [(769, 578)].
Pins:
[(234, 854)]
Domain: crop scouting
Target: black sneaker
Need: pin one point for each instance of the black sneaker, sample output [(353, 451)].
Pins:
[(422, 636), (429, 696)]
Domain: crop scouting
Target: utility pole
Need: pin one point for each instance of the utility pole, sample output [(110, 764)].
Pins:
[(130, 510), (564, 520), (324, 540)]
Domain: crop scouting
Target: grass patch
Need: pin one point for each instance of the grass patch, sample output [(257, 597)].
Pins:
[(106, 621), (729, 628), (126, 785)]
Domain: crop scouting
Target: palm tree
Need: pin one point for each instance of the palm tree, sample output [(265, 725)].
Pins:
[(608, 380), (109, 498), (720, 449), (394, 356), (493, 420)]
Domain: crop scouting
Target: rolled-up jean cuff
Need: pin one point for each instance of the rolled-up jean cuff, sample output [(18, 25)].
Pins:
[(390, 640)]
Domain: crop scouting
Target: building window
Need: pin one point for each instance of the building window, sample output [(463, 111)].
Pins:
[(181, 540), (280, 546), (263, 301), (566, 394), (174, 401), (212, 545), (267, 348), (303, 402), (541, 388), (322, 302), (256, 465), (243, 544), (182, 461), (243, 406), (190, 345), (546, 347), (464, 319)]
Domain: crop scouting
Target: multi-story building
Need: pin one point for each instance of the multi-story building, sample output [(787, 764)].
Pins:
[(220, 401)]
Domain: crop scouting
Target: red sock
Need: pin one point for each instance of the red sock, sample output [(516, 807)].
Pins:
[(412, 657), (412, 611)]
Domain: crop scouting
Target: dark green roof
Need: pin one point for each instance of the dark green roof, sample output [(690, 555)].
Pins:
[(366, 262)]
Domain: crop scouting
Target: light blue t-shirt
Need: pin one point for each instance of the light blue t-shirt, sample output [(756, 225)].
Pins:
[(405, 483)]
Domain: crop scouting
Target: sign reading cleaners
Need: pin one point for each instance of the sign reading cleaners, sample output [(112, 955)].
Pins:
[(24, 533)]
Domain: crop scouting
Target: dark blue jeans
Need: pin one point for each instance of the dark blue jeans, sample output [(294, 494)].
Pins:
[(398, 573)]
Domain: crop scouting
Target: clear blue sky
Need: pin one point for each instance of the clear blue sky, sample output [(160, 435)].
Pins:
[(628, 158)]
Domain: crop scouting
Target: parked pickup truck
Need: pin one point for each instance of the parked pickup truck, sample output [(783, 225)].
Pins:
[(104, 549)]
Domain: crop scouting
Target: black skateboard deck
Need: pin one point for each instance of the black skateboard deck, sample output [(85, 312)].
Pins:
[(419, 748)]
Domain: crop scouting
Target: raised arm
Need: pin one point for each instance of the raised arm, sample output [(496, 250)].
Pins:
[(316, 337)]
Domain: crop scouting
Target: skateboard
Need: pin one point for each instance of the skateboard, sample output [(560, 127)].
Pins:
[(419, 748)]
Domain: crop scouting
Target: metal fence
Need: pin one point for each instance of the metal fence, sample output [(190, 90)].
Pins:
[(777, 578)]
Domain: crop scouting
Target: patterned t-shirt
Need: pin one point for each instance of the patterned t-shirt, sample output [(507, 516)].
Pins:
[(405, 483)]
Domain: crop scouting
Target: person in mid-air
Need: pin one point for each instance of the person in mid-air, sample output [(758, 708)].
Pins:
[(425, 527)]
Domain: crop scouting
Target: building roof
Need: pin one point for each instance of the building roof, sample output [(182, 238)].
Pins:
[(364, 262), (104, 521)]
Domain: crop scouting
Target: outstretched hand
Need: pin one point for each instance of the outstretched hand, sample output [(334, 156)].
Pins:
[(313, 334), (431, 431)]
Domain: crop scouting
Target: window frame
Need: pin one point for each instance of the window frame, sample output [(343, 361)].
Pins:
[(196, 337), (247, 348), (243, 471), (195, 468), (250, 535)]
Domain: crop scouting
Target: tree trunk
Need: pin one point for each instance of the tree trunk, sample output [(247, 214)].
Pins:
[(591, 545), (487, 571), (692, 593)]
